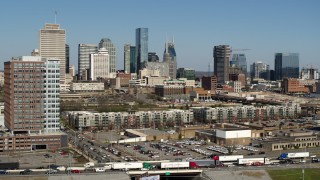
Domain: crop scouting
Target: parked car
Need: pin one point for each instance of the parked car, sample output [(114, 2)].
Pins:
[(26, 171), (51, 171), (3, 172), (75, 171)]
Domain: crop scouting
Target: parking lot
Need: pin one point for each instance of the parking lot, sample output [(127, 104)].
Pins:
[(39, 159)]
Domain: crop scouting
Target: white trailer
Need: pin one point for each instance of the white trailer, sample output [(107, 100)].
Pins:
[(127, 165), (250, 161), (174, 165), (88, 164), (75, 168), (230, 158), (298, 155)]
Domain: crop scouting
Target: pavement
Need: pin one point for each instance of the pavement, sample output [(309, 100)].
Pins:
[(238, 175)]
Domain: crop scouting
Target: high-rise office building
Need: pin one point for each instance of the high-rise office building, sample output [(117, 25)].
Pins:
[(52, 44), (170, 57), (133, 60), (100, 65), (221, 56), (188, 73), (257, 68), (108, 45), (141, 47), (126, 58), (84, 51), (239, 60), (286, 65), (309, 73), (67, 58), (32, 102)]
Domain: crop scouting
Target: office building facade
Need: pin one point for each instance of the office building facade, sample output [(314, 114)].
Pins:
[(286, 65), (109, 46), (240, 61), (32, 102), (188, 73), (126, 58), (133, 60), (67, 59), (221, 56), (100, 65), (84, 52), (52, 44), (170, 57), (257, 68), (141, 47)]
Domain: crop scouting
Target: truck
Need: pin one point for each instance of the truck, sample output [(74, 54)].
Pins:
[(203, 163), (253, 161), (88, 164), (293, 155), (174, 165), (148, 166), (230, 158), (127, 165), (9, 165)]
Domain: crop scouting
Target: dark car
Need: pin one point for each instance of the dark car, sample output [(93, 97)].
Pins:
[(250, 154), (262, 152), (26, 171), (3, 172)]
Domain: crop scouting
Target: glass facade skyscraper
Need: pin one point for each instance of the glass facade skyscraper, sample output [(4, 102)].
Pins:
[(84, 51), (133, 60), (286, 65), (141, 47), (239, 60), (106, 43)]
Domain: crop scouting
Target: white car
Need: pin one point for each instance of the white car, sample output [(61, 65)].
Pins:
[(99, 170)]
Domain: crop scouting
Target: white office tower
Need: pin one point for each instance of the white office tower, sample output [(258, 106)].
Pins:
[(52, 95), (100, 65), (52, 44)]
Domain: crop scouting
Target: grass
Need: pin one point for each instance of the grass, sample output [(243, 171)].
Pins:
[(294, 174)]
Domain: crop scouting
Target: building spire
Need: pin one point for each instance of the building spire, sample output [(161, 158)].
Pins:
[(166, 43), (173, 39)]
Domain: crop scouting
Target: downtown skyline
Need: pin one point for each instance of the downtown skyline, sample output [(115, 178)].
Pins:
[(265, 27)]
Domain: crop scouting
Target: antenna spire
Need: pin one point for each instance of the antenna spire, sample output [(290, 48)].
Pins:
[(55, 17)]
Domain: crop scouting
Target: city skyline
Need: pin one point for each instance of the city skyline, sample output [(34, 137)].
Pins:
[(265, 28)]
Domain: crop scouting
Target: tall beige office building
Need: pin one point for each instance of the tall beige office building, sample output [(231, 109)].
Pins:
[(52, 44)]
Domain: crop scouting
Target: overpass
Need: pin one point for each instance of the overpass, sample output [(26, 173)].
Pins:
[(166, 173), (222, 97)]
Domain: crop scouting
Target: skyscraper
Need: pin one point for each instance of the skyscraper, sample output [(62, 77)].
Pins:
[(141, 47), (257, 68), (32, 103), (239, 60), (169, 56), (84, 51), (67, 58), (108, 45), (99, 65), (126, 58), (286, 65), (221, 56), (133, 60), (52, 44)]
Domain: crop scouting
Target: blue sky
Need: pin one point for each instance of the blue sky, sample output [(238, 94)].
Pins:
[(265, 27)]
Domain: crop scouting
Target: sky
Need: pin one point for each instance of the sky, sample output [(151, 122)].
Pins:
[(264, 27)]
